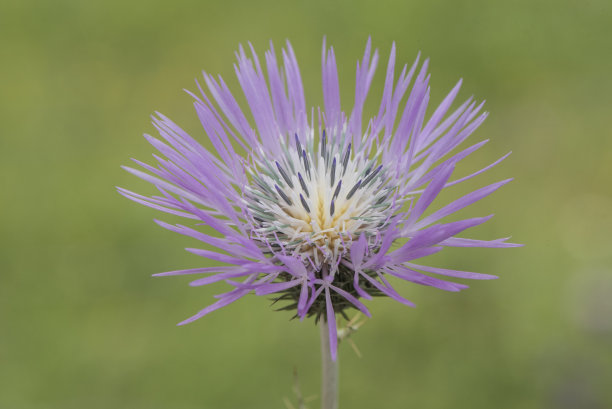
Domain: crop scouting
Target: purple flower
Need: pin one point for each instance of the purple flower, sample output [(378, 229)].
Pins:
[(307, 204)]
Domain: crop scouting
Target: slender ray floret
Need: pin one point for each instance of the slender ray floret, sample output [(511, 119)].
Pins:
[(306, 207)]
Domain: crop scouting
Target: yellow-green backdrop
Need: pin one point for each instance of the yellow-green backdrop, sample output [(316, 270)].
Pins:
[(82, 323)]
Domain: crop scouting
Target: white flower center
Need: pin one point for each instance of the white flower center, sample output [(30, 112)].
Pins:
[(314, 203)]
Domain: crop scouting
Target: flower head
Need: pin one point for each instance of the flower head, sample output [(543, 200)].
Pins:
[(307, 205)]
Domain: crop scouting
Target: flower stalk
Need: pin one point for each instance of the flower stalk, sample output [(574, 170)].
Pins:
[(329, 379)]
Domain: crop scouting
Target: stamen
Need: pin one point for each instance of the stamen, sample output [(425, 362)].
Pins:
[(332, 208), (304, 203), (337, 191), (333, 173), (347, 155), (372, 176), (382, 199), (284, 175), (354, 189), (306, 163), (283, 195), (298, 145), (304, 188), (323, 144)]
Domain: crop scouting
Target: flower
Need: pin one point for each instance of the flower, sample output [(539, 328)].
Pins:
[(307, 205)]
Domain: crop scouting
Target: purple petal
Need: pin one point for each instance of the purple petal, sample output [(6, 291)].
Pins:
[(430, 193), (461, 242), (453, 273), (388, 291), (388, 238), (303, 300), (331, 87), (219, 277), (459, 204), (463, 179), (221, 243), (295, 88), (218, 256), (219, 304), (439, 232), (203, 270), (314, 297), (352, 300), (165, 185), (153, 203), (363, 79), (439, 113), (358, 250), (418, 278), (358, 288), (276, 287), (407, 254), (295, 265)]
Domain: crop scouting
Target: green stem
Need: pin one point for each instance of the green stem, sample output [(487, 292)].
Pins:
[(329, 381)]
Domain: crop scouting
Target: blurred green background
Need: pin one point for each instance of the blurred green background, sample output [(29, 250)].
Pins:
[(82, 323)]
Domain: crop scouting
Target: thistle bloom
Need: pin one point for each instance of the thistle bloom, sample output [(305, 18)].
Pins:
[(307, 204)]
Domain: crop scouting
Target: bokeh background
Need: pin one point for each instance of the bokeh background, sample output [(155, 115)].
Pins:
[(82, 323)]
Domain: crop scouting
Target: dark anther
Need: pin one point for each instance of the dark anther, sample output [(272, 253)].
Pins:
[(354, 189)]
